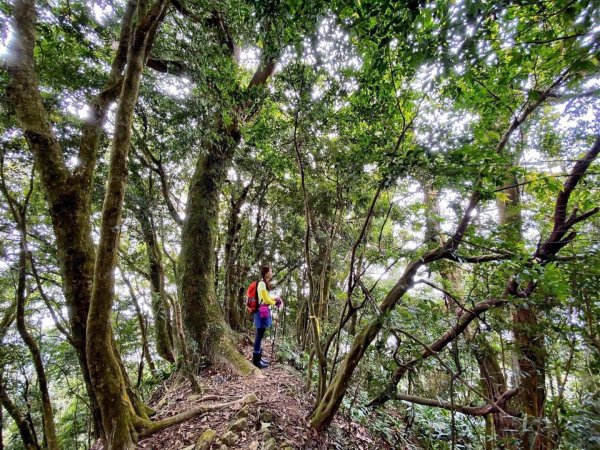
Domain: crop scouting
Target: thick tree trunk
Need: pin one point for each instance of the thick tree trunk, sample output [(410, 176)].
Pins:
[(70, 218), (202, 316)]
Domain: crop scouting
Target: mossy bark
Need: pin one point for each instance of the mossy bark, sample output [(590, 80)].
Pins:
[(202, 316), (163, 327)]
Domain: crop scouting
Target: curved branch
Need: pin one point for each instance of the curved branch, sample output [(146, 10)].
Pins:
[(467, 410), (58, 323), (27, 434), (23, 91), (170, 67)]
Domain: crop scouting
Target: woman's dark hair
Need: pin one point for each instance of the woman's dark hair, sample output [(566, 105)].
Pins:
[(264, 270)]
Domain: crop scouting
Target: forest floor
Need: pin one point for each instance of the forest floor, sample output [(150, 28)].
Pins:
[(276, 421)]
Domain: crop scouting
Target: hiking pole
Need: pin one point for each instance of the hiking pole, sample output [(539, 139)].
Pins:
[(274, 336)]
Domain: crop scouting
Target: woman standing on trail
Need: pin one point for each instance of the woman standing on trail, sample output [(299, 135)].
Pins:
[(262, 317)]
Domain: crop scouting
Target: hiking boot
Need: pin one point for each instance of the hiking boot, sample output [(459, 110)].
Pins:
[(263, 360), (257, 362)]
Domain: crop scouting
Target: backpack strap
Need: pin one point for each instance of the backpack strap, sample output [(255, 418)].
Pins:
[(258, 301)]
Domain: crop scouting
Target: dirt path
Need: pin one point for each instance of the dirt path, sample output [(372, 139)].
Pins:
[(278, 416)]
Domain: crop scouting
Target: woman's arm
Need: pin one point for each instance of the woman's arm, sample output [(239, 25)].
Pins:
[(264, 295)]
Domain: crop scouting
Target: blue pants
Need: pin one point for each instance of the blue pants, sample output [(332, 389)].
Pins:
[(260, 332)]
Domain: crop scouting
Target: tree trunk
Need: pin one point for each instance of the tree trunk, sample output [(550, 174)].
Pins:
[(332, 399), (232, 309), (529, 339), (163, 328), (119, 415), (492, 378), (27, 434), (51, 439), (143, 328), (202, 316), (494, 384), (19, 213)]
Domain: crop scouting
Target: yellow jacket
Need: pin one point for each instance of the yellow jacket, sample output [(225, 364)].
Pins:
[(264, 295)]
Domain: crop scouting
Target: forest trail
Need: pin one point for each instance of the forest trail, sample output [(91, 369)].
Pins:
[(275, 421)]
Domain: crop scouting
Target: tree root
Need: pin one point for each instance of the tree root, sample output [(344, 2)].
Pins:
[(231, 357), (146, 428)]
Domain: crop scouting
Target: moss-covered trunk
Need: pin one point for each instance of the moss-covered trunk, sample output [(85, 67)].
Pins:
[(163, 327), (70, 217), (202, 317)]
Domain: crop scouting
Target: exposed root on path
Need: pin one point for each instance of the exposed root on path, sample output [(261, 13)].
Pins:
[(278, 415), (155, 426)]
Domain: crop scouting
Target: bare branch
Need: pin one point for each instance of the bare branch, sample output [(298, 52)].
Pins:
[(168, 66), (155, 164), (557, 238), (468, 410), (57, 322)]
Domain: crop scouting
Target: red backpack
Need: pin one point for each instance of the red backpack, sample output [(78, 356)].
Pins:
[(252, 301)]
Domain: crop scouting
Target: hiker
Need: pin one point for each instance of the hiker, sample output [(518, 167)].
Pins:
[(262, 317)]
